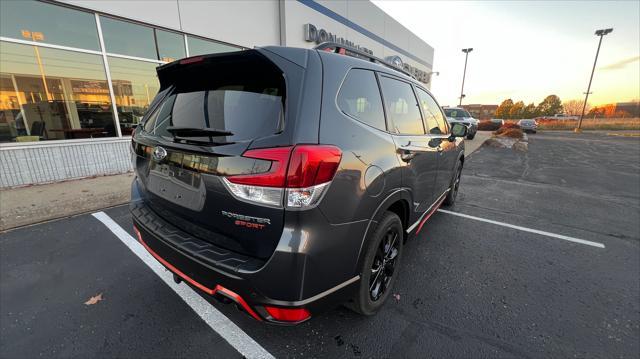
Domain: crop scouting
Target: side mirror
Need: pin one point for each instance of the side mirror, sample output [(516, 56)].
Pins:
[(458, 130)]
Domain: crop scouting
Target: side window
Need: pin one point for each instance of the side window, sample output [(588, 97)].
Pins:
[(433, 118), (402, 107), (359, 98)]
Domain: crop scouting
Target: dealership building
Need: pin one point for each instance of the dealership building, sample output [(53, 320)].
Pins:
[(76, 76)]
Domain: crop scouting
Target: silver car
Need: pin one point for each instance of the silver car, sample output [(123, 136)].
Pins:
[(528, 125)]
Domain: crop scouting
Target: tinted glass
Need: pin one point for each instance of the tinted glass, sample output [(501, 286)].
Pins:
[(247, 105), (125, 38), (402, 108), (359, 97), (199, 46), (170, 45), (71, 102), (134, 84), (433, 117), (42, 22)]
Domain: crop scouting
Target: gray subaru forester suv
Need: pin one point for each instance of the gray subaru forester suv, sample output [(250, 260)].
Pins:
[(288, 180)]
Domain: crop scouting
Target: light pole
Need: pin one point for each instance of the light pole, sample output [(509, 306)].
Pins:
[(600, 33), (464, 73)]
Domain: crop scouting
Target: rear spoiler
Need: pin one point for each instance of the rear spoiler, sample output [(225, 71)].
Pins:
[(169, 73)]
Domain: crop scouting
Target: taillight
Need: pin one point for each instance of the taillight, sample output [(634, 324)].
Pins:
[(311, 168), (288, 314), (301, 172), (276, 175), (312, 165)]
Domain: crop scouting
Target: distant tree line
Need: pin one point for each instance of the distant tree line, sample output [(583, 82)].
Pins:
[(550, 106)]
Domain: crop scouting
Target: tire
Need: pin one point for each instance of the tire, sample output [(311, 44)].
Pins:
[(374, 289), (470, 137), (450, 200)]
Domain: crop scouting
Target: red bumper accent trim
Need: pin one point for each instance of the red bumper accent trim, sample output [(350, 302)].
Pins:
[(223, 291), (429, 215)]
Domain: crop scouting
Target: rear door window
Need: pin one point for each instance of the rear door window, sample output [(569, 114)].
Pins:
[(433, 118), (359, 98), (401, 105)]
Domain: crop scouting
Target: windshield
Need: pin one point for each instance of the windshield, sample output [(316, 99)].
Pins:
[(456, 113)]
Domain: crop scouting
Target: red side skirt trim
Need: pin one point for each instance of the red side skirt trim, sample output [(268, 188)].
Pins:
[(435, 208)]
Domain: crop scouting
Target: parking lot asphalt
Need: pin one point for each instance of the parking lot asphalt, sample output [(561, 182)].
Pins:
[(466, 288)]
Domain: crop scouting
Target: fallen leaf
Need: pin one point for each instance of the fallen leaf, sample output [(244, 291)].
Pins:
[(94, 300)]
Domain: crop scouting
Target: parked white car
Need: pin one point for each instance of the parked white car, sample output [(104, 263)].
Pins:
[(460, 115)]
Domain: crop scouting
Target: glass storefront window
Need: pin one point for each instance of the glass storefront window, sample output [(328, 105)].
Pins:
[(199, 46), (170, 45), (135, 84), (43, 22), (50, 94), (125, 38)]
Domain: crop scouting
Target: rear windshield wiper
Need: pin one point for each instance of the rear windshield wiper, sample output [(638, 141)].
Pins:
[(197, 132)]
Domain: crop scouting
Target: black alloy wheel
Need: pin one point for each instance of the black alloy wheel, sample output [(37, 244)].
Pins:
[(384, 264), (380, 265)]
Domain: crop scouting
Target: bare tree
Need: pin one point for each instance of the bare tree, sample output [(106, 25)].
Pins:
[(574, 107)]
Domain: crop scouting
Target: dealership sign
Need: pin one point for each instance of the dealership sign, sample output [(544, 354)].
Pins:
[(313, 34)]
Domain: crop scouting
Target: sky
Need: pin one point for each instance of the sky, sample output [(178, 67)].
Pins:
[(526, 50)]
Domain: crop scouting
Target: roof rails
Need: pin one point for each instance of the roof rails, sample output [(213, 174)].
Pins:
[(342, 49)]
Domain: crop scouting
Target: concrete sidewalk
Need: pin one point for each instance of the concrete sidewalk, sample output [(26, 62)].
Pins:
[(34, 204)]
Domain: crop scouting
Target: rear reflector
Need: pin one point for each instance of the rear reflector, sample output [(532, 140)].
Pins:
[(288, 314)]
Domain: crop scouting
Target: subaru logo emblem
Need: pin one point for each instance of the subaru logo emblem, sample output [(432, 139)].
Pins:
[(159, 153)]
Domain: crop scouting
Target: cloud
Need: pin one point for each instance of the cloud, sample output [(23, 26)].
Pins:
[(621, 64)]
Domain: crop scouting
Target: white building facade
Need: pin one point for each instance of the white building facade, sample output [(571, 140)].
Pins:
[(76, 76)]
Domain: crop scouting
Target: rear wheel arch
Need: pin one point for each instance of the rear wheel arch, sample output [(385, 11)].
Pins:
[(401, 208), (397, 202)]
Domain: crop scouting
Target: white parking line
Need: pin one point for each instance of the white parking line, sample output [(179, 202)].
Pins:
[(242, 342), (525, 229)]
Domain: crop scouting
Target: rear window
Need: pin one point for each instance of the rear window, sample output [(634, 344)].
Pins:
[(359, 98), (224, 98)]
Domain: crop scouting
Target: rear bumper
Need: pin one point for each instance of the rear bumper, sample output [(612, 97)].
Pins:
[(227, 275)]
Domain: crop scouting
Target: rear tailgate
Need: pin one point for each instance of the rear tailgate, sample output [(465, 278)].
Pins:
[(239, 99)]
